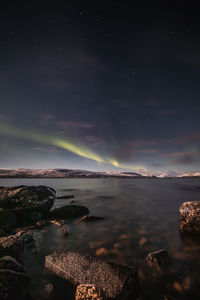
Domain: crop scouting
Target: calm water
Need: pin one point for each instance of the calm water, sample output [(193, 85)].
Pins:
[(141, 216)]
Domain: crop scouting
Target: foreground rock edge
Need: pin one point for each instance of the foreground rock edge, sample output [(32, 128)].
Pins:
[(112, 281)]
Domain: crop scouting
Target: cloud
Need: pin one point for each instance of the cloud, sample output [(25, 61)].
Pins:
[(46, 119), (185, 160), (94, 140), (180, 154), (46, 149), (143, 151), (195, 137), (71, 124)]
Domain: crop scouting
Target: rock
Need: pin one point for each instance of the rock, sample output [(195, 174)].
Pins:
[(15, 244), (142, 241), (14, 282), (178, 287), (101, 252), (62, 226), (158, 260), (111, 280), (33, 240), (87, 291), (89, 219), (189, 217), (11, 245), (20, 216), (27, 196), (8, 262), (69, 211), (64, 196), (42, 223)]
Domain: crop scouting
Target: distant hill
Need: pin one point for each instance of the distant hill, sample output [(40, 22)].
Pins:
[(70, 173), (62, 173)]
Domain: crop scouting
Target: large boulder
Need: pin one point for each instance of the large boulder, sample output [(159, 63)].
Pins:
[(15, 245), (112, 281), (14, 282), (189, 217), (27, 196), (69, 211)]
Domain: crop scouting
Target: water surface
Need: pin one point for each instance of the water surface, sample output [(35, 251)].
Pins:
[(141, 216)]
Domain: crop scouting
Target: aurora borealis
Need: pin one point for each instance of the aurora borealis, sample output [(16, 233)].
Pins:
[(100, 86)]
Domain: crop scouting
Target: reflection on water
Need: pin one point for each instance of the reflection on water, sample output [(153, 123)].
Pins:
[(141, 216)]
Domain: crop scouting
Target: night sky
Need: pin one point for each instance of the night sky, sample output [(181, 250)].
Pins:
[(100, 86)]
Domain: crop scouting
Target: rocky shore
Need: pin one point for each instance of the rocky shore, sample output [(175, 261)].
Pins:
[(30, 270)]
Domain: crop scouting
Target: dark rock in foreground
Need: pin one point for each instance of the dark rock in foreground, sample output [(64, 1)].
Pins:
[(27, 196), (69, 211), (189, 217), (8, 262), (20, 216), (14, 282), (159, 259), (11, 245), (111, 280), (14, 245)]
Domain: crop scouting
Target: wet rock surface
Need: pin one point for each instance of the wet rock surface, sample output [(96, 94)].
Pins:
[(15, 244), (64, 196), (69, 211), (62, 226), (189, 218), (14, 282), (27, 196), (11, 245), (158, 260), (111, 280), (23, 205), (20, 216), (8, 262)]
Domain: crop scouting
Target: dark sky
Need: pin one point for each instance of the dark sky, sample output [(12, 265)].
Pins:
[(100, 85)]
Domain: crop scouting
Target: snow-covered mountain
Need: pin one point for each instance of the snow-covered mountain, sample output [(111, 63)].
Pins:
[(70, 173), (61, 173)]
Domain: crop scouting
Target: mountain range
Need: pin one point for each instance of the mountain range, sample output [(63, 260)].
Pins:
[(70, 173)]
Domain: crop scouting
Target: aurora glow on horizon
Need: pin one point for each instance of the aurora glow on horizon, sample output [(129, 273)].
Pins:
[(61, 143), (100, 87)]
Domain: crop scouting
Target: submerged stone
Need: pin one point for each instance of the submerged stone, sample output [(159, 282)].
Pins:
[(189, 217), (111, 280), (69, 211), (158, 259)]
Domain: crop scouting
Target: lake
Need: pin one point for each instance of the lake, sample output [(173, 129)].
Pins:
[(141, 216)]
